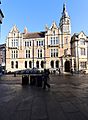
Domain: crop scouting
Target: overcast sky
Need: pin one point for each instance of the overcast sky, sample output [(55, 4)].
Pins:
[(35, 14)]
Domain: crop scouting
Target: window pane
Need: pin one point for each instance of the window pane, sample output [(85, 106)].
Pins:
[(16, 64), (25, 64)]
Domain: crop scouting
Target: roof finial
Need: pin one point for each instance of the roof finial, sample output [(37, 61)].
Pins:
[(64, 8), (64, 13)]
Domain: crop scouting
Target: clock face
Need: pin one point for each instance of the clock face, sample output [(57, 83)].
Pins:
[(65, 29)]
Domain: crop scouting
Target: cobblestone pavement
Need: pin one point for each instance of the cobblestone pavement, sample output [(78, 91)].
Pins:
[(67, 99)]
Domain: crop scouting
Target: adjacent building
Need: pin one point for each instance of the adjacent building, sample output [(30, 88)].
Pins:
[(79, 48), (2, 57)]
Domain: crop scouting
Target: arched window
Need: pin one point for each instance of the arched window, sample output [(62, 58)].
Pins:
[(52, 64), (30, 64), (57, 64), (25, 64), (42, 64), (16, 64), (37, 64)]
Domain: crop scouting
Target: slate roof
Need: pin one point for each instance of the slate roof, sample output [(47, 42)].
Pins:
[(34, 35)]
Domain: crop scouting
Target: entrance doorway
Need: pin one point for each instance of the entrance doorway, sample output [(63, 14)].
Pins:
[(67, 66)]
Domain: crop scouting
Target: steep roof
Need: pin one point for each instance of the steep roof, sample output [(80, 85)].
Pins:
[(2, 46), (34, 35)]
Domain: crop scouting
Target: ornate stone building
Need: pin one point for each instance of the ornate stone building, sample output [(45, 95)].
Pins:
[(51, 49)]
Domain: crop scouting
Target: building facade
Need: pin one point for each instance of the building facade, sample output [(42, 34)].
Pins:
[(2, 57), (79, 48), (51, 49)]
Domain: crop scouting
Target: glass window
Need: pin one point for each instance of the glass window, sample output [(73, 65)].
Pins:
[(42, 64), (16, 64), (40, 43), (57, 40), (83, 64), (15, 43), (27, 43), (82, 50), (37, 43), (30, 64), (25, 64), (54, 52), (51, 41), (12, 43), (82, 41), (27, 53), (37, 64), (54, 40), (39, 53), (14, 54), (54, 33), (30, 43)]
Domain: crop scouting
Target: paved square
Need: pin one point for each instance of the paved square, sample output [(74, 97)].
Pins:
[(67, 99)]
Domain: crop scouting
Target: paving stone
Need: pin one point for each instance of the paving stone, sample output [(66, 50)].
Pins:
[(68, 107), (20, 115), (76, 116), (67, 99), (39, 109)]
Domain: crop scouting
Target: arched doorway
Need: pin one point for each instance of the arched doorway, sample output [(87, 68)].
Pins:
[(67, 66), (52, 64)]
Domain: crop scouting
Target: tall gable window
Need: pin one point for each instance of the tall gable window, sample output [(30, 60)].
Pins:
[(82, 51), (14, 54), (15, 43), (54, 52), (27, 53), (39, 53), (82, 42), (54, 40)]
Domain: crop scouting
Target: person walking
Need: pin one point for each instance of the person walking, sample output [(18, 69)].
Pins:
[(45, 78), (59, 71), (71, 71)]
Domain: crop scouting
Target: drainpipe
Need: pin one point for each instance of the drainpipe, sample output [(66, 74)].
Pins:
[(33, 54), (77, 55), (87, 53)]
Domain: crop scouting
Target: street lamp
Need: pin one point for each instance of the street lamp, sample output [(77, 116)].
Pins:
[(1, 15)]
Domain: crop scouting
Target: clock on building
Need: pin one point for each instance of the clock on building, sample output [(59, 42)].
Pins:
[(65, 28)]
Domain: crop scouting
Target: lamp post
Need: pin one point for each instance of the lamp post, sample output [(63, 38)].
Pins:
[(1, 15)]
